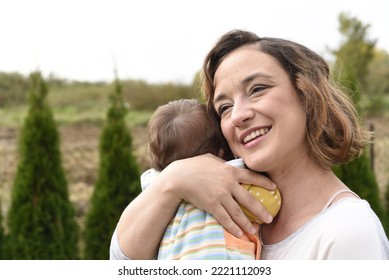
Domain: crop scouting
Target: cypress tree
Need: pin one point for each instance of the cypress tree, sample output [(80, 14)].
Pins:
[(41, 218), (118, 179), (360, 178), (386, 224), (2, 237)]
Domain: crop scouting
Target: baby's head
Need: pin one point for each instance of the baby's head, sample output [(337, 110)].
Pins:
[(182, 129)]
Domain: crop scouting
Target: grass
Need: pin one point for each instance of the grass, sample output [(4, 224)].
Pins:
[(13, 117)]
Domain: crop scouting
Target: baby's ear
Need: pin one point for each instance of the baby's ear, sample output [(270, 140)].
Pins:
[(220, 153)]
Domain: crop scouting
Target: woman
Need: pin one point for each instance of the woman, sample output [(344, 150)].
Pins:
[(280, 113)]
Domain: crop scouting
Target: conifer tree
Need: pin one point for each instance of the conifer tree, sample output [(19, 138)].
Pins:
[(2, 237), (360, 178), (41, 218), (118, 179), (386, 224)]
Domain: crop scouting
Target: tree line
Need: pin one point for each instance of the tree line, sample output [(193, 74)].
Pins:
[(138, 94)]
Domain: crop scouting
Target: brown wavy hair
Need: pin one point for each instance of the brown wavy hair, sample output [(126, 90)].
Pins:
[(333, 129)]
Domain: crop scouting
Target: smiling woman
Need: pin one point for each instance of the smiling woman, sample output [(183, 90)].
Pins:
[(254, 83), (259, 86), (279, 111)]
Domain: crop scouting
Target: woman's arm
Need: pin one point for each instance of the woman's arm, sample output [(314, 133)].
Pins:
[(206, 182), (143, 222)]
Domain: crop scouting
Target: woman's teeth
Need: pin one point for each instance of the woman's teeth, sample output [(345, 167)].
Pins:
[(255, 134)]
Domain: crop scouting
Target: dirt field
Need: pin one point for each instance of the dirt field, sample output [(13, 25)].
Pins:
[(80, 157), (79, 146)]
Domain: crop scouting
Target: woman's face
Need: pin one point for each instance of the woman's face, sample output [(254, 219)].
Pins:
[(261, 116)]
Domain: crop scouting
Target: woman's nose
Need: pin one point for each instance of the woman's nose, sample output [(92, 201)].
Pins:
[(241, 113)]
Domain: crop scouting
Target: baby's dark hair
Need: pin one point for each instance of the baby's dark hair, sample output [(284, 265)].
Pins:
[(182, 129)]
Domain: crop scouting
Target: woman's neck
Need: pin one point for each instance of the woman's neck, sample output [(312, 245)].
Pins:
[(303, 180), (305, 189)]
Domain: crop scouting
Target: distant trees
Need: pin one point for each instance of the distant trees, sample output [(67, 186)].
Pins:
[(354, 55), (139, 94), (351, 67), (377, 79), (377, 83), (41, 218), (143, 96), (118, 180), (361, 67), (13, 88)]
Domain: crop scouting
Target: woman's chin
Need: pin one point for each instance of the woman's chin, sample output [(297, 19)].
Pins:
[(256, 164)]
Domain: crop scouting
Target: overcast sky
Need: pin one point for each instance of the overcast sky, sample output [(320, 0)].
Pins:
[(161, 40)]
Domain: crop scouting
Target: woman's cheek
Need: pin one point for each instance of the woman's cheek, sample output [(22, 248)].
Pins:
[(228, 132)]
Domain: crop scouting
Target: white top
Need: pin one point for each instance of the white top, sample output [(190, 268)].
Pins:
[(348, 229), (115, 253)]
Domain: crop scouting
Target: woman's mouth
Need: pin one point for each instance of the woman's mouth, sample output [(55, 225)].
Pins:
[(255, 134)]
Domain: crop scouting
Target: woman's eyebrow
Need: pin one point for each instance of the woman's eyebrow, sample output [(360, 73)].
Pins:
[(254, 76), (219, 98)]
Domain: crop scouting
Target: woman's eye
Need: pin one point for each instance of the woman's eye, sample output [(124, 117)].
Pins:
[(222, 109), (256, 89)]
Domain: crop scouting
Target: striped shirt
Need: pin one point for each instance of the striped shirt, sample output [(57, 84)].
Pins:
[(193, 234)]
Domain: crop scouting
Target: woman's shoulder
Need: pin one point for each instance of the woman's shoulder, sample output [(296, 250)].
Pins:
[(350, 220), (347, 229), (350, 224), (349, 211)]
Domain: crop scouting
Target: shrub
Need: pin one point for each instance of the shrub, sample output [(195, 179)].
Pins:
[(117, 183), (2, 237), (360, 178), (386, 224), (41, 218)]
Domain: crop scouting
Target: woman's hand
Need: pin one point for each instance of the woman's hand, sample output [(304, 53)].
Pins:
[(210, 184), (206, 182)]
